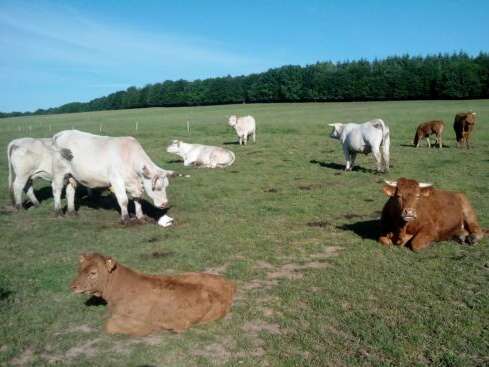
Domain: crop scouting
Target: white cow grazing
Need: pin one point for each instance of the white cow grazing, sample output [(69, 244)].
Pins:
[(118, 163), (244, 127), (201, 155), (371, 136), (28, 159)]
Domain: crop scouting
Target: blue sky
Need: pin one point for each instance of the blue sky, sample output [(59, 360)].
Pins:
[(54, 52)]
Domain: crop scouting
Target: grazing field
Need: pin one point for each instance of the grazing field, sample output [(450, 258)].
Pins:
[(294, 231)]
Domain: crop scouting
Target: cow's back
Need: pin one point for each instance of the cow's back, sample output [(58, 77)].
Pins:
[(440, 213)]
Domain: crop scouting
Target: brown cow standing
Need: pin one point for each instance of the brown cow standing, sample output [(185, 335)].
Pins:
[(419, 214), (428, 128), (141, 304), (463, 125)]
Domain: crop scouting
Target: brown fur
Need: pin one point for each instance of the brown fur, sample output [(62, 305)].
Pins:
[(420, 216), (141, 304), (463, 125), (428, 128)]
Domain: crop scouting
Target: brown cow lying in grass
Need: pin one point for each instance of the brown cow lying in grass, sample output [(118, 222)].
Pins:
[(428, 128), (141, 304), (420, 214), (463, 125)]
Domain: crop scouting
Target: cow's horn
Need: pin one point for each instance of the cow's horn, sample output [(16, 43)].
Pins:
[(391, 183), (423, 185)]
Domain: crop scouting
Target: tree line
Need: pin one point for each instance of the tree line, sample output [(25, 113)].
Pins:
[(442, 76)]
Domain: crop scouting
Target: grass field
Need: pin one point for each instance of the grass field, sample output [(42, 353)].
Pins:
[(294, 231)]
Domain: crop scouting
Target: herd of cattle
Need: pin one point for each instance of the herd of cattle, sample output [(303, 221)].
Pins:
[(415, 213)]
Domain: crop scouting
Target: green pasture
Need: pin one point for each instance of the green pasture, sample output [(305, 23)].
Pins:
[(294, 231)]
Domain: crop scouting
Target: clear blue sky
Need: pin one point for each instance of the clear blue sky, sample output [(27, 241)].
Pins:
[(54, 52)]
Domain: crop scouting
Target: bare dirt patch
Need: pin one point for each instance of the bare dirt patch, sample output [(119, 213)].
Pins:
[(254, 327), (25, 359)]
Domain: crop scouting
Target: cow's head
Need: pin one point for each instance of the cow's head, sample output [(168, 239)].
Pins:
[(174, 147), (93, 273), (233, 120), (155, 183), (337, 129), (406, 193)]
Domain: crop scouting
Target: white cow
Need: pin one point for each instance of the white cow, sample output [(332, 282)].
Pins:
[(371, 136), (118, 163), (28, 159), (201, 155), (244, 127)]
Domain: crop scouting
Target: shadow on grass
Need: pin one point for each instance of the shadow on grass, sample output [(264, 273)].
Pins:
[(4, 294), (175, 161), (231, 143), (103, 200), (42, 194), (420, 147), (341, 167), (95, 301), (368, 229)]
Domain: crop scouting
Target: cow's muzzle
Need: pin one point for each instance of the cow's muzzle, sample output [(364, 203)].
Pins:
[(408, 214), (164, 205)]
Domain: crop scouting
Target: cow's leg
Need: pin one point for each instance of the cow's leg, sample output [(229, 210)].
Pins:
[(386, 239), (470, 222), (30, 193), (240, 140), (346, 152), (139, 209), (245, 139), (18, 187), (420, 241), (353, 156), (119, 190), (428, 141), (70, 197), (254, 137), (187, 162), (378, 158), (57, 186)]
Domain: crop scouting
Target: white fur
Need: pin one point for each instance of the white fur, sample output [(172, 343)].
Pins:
[(118, 163), (244, 127), (371, 136), (201, 155)]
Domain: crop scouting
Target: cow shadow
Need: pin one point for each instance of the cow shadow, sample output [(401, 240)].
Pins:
[(102, 199), (175, 161), (341, 167), (231, 143), (367, 229), (432, 146), (95, 301), (43, 194)]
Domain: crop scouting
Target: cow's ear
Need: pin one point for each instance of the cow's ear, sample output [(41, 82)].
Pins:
[(425, 189), (390, 188), (110, 264), (146, 172)]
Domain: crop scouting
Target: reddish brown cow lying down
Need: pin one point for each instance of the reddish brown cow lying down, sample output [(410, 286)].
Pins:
[(428, 128), (141, 304), (419, 214)]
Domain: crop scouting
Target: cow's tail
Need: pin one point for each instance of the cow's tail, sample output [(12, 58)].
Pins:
[(11, 172), (385, 142)]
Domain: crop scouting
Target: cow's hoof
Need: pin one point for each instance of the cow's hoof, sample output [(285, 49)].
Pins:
[(17, 207), (59, 213), (125, 220), (72, 213)]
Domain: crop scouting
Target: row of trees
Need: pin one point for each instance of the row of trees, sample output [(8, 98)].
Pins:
[(456, 76)]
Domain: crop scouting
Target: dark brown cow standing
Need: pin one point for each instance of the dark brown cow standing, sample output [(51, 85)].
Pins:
[(463, 125), (141, 304), (428, 128), (418, 214)]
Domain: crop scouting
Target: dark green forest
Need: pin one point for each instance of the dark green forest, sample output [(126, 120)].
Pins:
[(443, 76)]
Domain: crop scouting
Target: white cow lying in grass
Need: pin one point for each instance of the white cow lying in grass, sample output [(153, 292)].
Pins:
[(28, 159), (118, 163), (201, 155), (371, 136), (244, 127)]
